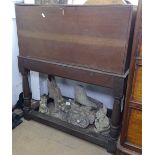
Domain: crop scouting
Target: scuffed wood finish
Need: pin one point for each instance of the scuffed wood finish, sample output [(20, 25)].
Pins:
[(95, 37)]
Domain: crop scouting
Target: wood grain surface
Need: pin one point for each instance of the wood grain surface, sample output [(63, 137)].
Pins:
[(134, 133), (95, 37), (137, 85)]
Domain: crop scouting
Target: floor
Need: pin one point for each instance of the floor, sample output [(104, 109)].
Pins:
[(32, 138)]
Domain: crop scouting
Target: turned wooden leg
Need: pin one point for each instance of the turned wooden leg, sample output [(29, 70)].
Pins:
[(115, 119), (26, 91)]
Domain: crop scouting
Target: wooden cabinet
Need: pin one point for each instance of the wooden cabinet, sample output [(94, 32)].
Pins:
[(130, 142), (84, 40), (87, 43)]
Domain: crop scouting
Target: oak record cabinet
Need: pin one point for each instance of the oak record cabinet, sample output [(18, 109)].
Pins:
[(90, 43)]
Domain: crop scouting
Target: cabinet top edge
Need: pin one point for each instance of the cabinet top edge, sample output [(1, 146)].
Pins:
[(74, 5)]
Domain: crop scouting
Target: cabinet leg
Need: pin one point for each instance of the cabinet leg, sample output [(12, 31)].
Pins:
[(115, 119), (26, 92)]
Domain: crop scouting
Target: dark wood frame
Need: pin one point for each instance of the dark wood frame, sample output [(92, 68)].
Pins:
[(116, 82)]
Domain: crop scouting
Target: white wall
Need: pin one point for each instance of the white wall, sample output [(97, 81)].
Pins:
[(76, 1), (16, 76)]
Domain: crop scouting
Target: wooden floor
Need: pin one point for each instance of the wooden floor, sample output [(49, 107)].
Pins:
[(32, 138)]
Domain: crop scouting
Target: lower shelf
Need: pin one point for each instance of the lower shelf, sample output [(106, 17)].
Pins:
[(102, 140)]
